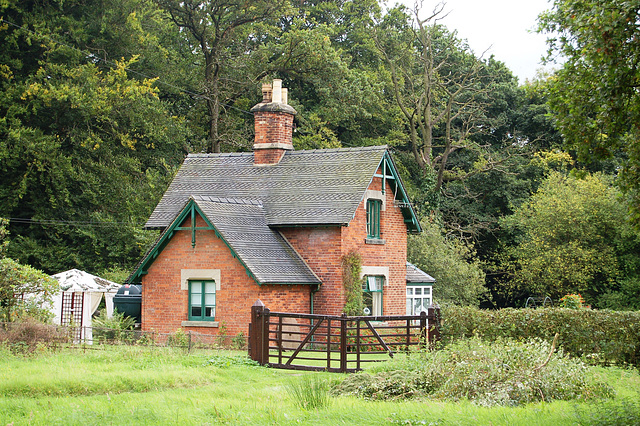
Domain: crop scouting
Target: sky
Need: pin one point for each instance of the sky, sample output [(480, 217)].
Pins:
[(503, 28)]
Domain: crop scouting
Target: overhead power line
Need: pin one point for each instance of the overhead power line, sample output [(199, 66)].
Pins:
[(87, 223)]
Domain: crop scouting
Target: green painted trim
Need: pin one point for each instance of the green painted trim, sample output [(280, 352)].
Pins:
[(202, 300), (388, 166), (190, 208), (373, 218)]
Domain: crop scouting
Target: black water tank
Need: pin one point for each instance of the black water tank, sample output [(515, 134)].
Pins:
[(128, 300)]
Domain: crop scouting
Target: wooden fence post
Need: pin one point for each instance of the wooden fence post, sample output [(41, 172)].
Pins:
[(259, 333), (423, 329), (343, 343), (434, 325)]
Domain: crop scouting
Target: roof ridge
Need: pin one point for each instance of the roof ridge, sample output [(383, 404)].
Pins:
[(226, 200), (219, 154), (344, 149), (294, 152)]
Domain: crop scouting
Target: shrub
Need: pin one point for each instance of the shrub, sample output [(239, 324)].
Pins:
[(572, 301), (25, 292), (28, 335), (506, 372), (222, 337), (239, 341), (600, 336), (115, 329), (179, 339)]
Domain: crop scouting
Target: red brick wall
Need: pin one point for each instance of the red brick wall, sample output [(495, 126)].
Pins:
[(392, 254), (322, 249), (268, 156), (272, 127), (165, 305)]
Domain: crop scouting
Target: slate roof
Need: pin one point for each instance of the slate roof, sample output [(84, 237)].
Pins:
[(416, 275), (266, 255), (309, 187), (246, 203), (264, 251)]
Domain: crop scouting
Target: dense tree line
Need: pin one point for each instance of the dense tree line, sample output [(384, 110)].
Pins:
[(101, 100)]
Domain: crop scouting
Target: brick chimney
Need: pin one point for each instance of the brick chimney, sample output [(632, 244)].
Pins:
[(273, 125)]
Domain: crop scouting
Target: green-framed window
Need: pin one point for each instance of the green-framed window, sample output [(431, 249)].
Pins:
[(419, 298), (202, 300), (373, 218), (372, 294)]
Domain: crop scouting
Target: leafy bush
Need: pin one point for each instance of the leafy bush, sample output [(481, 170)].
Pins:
[(600, 336), (115, 329), (25, 292), (239, 341), (179, 339), (506, 372), (572, 301)]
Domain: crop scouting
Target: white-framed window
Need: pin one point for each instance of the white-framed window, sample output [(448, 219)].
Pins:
[(372, 294), (202, 300), (419, 299)]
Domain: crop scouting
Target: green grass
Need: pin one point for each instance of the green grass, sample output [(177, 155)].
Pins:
[(136, 385)]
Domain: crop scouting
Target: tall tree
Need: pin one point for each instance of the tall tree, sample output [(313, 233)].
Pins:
[(85, 149), (228, 34), (595, 95), (572, 237), (441, 90)]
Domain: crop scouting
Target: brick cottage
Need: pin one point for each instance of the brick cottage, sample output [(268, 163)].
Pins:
[(274, 225)]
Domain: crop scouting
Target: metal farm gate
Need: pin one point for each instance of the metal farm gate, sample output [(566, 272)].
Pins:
[(335, 343)]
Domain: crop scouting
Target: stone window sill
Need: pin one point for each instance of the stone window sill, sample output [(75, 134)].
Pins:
[(374, 241), (210, 324)]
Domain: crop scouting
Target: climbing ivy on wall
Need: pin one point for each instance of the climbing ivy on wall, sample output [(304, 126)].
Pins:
[(352, 282)]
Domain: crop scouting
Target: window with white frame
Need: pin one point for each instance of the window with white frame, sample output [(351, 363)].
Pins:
[(418, 299), (202, 300), (372, 294)]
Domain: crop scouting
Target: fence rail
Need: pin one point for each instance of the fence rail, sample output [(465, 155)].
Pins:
[(335, 343), (32, 333)]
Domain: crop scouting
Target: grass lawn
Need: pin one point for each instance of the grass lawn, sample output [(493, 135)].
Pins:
[(139, 385)]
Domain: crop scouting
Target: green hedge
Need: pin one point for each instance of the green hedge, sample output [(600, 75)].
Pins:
[(598, 336)]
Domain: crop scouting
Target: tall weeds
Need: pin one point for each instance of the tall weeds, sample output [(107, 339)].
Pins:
[(309, 392)]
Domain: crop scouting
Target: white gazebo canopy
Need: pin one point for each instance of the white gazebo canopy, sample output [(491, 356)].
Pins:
[(91, 289)]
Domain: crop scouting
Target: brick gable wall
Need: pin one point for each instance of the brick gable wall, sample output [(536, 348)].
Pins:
[(323, 248), (320, 247), (165, 304), (392, 254)]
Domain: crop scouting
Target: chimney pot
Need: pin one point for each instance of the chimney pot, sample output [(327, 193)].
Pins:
[(277, 91), (273, 125), (266, 93)]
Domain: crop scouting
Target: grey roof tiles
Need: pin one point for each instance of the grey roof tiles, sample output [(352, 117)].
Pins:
[(263, 250), (417, 275), (311, 187)]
